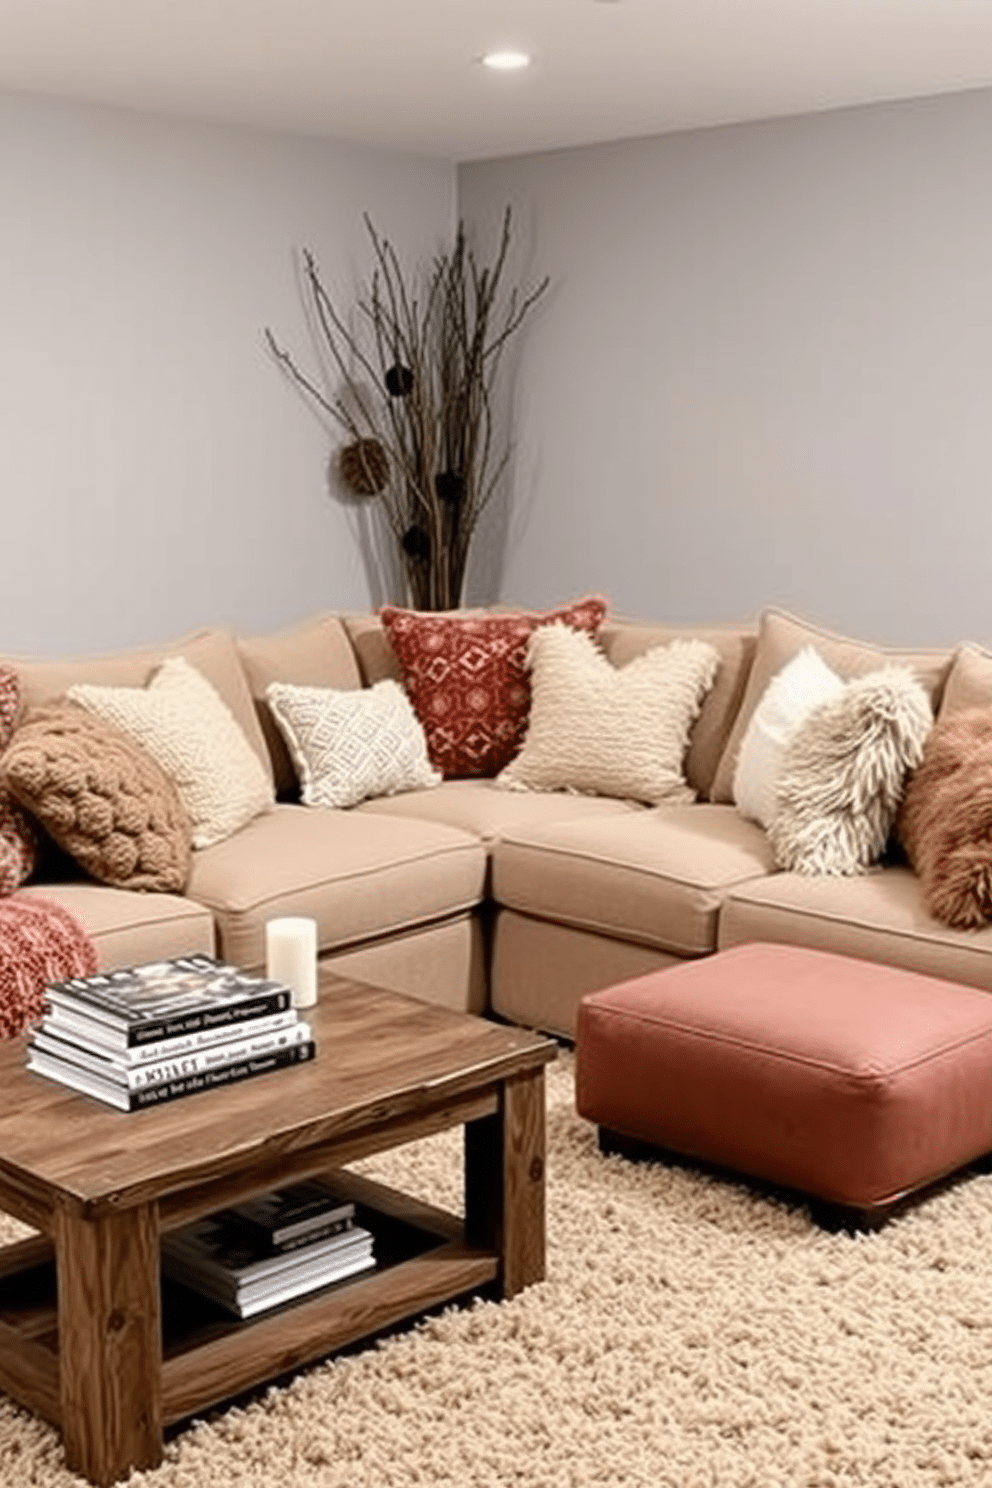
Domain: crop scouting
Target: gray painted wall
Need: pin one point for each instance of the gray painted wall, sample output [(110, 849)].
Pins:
[(157, 473), (764, 374)]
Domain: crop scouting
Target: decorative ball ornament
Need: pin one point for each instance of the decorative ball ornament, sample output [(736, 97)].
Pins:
[(363, 466), (450, 486), (399, 381), (416, 542)]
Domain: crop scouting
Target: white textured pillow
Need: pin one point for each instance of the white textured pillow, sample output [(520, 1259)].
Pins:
[(792, 693), (843, 774), (184, 724), (350, 745), (605, 730)]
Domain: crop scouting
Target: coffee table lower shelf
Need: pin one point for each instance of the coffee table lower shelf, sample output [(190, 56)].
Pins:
[(209, 1356)]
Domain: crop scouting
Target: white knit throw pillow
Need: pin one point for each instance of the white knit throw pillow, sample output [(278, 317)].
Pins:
[(844, 771), (609, 731), (183, 723), (350, 745)]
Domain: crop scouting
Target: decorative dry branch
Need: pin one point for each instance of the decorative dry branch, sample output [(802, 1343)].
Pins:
[(416, 399)]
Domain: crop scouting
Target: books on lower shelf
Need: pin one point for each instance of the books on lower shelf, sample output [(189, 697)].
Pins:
[(233, 1261), (148, 1034), (294, 1215)]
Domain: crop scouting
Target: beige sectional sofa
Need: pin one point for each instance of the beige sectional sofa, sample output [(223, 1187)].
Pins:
[(516, 902)]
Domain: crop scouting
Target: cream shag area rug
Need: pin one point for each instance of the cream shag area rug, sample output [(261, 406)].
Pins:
[(690, 1334)]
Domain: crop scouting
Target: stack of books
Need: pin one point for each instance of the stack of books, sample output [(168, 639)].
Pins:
[(151, 1033), (269, 1250)]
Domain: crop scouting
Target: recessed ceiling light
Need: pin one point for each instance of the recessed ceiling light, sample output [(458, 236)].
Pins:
[(506, 61)]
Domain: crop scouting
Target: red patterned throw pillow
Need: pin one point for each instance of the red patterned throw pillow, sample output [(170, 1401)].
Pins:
[(467, 679), (18, 842)]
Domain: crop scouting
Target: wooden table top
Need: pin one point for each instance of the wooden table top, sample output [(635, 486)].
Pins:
[(380, 1057)]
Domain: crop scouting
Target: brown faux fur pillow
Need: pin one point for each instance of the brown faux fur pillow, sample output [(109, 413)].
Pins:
[(101, 797), (945, 820)]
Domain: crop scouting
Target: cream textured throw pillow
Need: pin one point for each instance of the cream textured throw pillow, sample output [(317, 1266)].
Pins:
[(183, 723), (844, 771), (609, 731), (350, 745), (790, 696)]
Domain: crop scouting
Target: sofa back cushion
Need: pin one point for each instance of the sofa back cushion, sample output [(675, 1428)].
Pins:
[(781, 637), (969, 682), (315, 653), (377, 661), (622, 639), (213, 653)]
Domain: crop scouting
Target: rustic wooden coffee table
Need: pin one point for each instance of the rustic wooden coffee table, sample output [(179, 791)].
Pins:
[(112, 1354)]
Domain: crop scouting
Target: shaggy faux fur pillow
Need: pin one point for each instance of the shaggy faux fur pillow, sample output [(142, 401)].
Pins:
[(101, 797), (945, 821), (843, 774), (18, 841)]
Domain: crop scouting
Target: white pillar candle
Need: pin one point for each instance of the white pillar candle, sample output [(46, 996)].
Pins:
[(291, 957)]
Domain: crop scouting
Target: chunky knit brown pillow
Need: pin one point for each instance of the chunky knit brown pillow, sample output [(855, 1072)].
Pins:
[(945, 820), (18, 843), (101, 797)]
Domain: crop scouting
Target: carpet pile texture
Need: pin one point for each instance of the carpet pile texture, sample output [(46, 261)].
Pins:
[(691, 1334)]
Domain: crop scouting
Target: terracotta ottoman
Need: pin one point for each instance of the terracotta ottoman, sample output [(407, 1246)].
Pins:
[(854, 1083)]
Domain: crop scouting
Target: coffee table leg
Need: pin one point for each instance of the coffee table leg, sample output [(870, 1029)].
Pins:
[(504, 1182), (110, 1342)]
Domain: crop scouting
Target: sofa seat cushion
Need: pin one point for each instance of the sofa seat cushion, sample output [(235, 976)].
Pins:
[(483, 808), (127, 926), (879, 916), (358, 876), (657, 877)]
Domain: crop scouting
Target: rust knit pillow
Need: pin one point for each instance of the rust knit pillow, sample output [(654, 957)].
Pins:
[(18, 842), (101, 797), (945, 819), (466, 677), (40, 942)]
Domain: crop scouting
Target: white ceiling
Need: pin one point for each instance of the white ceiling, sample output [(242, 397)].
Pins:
[(406, 73)]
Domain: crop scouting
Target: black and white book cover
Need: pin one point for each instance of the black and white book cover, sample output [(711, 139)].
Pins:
[(217, 1256), (104, 1042), (239, 1044), (166, 999), (89, 1083), (290, 1215)]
